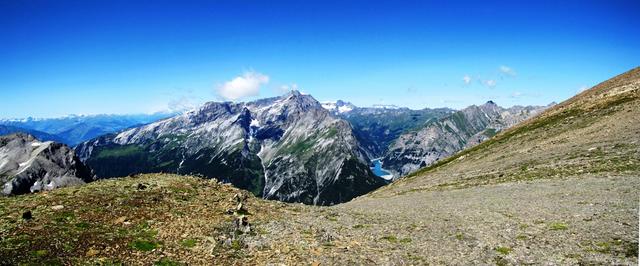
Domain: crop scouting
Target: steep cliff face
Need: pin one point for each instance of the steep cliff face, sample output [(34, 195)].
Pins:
[(287, 148), (28, 165), (446, 136)]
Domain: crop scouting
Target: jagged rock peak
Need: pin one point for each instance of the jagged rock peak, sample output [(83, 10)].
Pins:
[(298, 96), (294, 93)]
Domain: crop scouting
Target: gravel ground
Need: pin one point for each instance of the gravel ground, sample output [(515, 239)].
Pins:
[(586, 219)]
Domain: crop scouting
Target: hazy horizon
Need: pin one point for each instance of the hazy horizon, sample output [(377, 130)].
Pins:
[(175, 112)]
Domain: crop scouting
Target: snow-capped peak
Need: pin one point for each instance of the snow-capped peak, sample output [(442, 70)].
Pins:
[(329, 105), (338, 106)]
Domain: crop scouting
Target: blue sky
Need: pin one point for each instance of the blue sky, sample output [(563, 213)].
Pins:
[(88, 57)]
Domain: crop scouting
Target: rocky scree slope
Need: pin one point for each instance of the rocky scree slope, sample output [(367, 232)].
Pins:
[(29, 165), (287, 148), (440, 138)]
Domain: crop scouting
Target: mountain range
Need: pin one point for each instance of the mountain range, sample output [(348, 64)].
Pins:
[(406, 140), (287, 148), (290, 148), (74, 129), (445, 136), (43, 136), (377, 127)]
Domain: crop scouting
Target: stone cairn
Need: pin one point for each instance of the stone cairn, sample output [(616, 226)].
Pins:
[(241, 221)]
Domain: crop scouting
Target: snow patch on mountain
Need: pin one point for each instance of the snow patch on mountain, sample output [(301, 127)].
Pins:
[(255, 123), (338, 107)]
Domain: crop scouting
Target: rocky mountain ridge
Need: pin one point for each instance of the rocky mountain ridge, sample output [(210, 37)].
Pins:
[(441, 138), (406, 140), (290, 148), (29, 165), (377, 127)]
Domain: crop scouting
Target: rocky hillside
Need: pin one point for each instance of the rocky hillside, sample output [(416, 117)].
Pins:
[(440, 138), (29, 165), (287, 148), (559, 189)]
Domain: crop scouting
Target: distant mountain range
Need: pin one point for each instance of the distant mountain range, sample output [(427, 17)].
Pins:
[(74, 129), (290, 148), (406, 140), (377, 127), (443, 137), (43, 136)]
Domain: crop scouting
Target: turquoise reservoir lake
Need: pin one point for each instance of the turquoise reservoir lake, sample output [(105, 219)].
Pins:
[(379, 171)]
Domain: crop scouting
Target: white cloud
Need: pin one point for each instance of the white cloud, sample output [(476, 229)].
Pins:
[(288, 88), (466, 79), (184, 103), (243, 86), (507, 71), (583, 88), (489, 83)]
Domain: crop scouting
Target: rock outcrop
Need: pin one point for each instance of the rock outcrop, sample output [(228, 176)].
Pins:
[(29, 165)]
